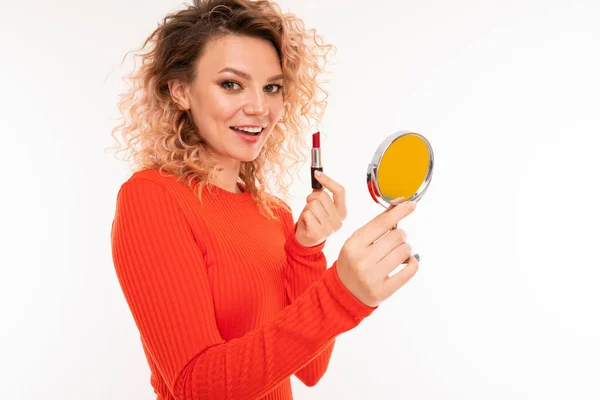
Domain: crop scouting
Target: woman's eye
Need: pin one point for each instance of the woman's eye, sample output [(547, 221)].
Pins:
[(230, 85), (273, 88)]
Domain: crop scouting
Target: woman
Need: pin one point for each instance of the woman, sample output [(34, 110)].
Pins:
[(230, 296)]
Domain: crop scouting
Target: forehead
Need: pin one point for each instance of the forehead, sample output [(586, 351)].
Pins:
[(240, 52)]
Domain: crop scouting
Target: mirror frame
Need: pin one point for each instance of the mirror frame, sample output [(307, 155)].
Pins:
[(372, 182)]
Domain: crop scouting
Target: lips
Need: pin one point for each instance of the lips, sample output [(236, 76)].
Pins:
[(247, 137), (246, 132)]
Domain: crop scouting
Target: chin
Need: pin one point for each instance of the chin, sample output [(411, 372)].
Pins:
[(245, 156)]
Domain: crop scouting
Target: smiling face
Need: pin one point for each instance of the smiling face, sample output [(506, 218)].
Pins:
[(236, 93)]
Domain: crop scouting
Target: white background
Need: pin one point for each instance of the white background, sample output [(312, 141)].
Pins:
[(505, 304)]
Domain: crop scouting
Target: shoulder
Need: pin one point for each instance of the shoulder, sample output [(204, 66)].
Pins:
[(280, 204), (151, 188), (153, 175), (283, 211), (153, 179)]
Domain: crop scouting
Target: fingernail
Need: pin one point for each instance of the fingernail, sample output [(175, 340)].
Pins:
[(418, 257), (411, 204), (318, 173)]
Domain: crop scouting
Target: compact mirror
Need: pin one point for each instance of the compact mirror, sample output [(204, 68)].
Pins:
[(401, 167)]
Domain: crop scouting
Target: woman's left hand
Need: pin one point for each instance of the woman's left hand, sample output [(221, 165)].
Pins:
[(321, 216)]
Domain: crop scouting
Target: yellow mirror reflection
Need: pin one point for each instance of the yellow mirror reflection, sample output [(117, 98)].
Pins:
[(403, 167)]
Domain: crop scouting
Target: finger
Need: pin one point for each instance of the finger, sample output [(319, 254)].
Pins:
[(386, 244), (338, 191), (384, 222), (397, 256), (334, 214), (396, 281), (315, 195), (310, 221), (319, 212), (395, 200)]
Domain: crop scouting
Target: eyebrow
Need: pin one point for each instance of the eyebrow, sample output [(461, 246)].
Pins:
[(248, 77)]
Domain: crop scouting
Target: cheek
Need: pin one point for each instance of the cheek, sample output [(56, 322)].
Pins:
[(276, 109), (224, 106)]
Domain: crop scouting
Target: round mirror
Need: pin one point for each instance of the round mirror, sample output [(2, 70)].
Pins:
[(401, 167)]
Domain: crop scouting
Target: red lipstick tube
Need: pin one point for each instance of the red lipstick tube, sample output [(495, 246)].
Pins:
[(315, 160)]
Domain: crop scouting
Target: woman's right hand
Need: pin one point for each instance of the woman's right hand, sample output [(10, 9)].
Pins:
[(365, 263)]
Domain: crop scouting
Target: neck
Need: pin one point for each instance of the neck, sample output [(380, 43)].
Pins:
[(227, 178)]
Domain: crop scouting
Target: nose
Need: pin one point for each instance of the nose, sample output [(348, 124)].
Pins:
[(256, 104)]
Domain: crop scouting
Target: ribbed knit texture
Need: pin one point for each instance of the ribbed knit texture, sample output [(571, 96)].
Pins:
[(228, 304)]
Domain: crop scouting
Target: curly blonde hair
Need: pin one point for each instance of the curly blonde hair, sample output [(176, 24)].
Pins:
[(157, 134)]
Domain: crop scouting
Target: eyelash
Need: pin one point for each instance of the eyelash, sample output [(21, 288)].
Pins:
[(279, 87)]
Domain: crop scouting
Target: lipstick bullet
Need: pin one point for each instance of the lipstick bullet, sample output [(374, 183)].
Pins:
[(315, 160)]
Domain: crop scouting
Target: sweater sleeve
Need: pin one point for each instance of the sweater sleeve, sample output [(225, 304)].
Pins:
[(305, 265), (163, 277)]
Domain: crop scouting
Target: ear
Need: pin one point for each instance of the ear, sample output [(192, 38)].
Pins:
[(178, 91)]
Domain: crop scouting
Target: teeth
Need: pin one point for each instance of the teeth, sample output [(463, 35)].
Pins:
[(251, 130)]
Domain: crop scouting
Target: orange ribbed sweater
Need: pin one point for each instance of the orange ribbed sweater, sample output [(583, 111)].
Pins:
[(228, 304)]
